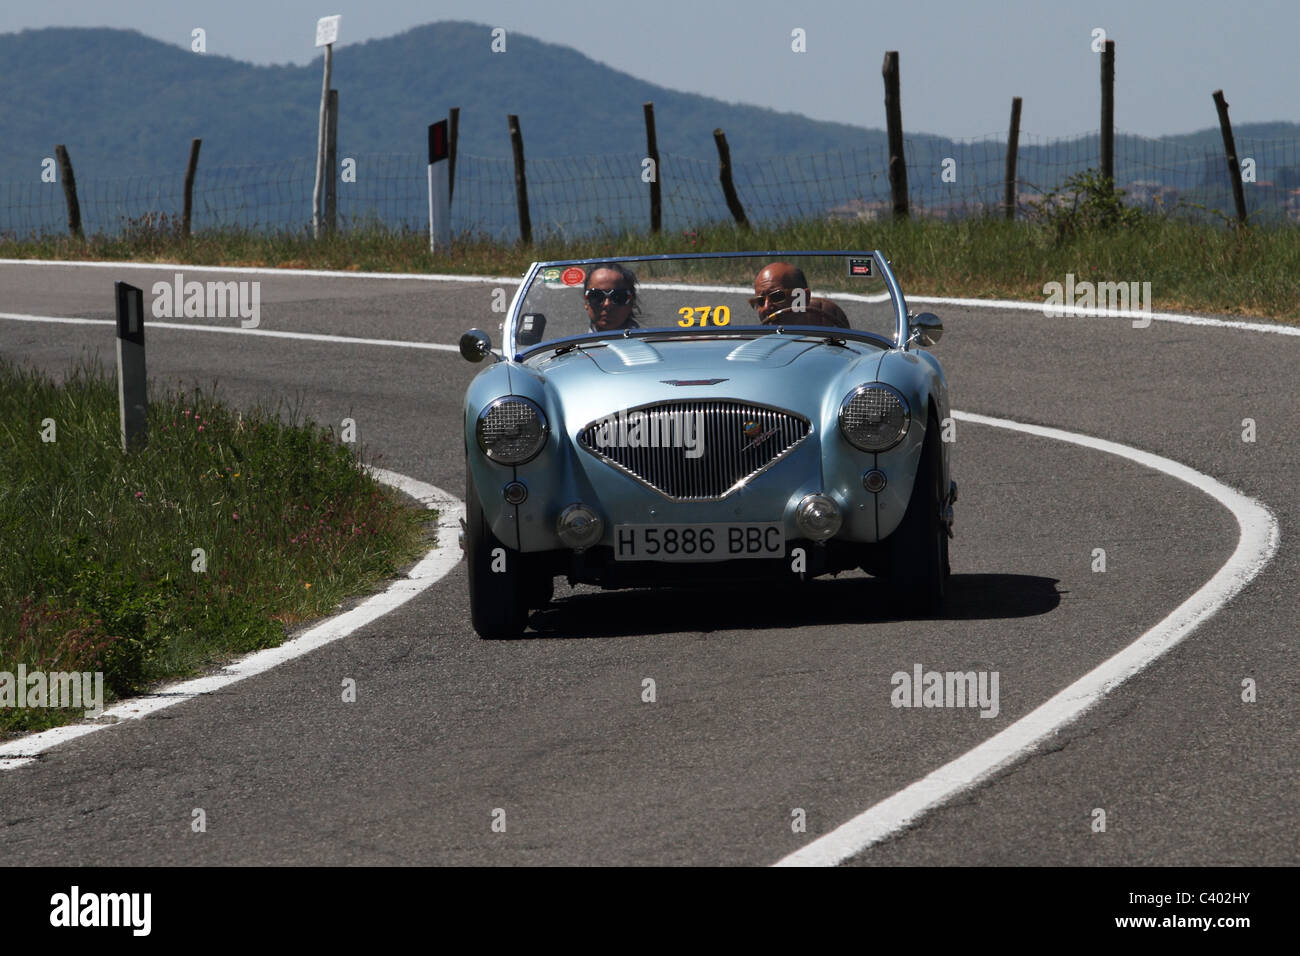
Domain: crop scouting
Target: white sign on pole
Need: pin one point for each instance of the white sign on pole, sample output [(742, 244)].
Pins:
[(327, 30)]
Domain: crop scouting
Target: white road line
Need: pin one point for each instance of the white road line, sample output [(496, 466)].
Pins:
[(265, 271), (1255, 548), (1012, 304), (308, 336), (1075, 311), (430, 569)]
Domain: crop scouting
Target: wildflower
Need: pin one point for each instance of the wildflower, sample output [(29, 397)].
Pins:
[(139, 494)]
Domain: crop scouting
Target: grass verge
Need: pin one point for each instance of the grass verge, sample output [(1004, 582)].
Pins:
[(1191, 267), (210, 542)]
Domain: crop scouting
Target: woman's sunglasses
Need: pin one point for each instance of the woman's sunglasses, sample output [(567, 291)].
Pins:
[(617, 296)]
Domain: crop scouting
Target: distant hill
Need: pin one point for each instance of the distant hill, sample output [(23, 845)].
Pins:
[(127, 106), (124, 103)]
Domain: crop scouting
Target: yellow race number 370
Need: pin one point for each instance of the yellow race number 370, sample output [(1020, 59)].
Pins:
[(704, 315)]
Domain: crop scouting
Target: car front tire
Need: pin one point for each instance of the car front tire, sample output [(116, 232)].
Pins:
[(920, 552), (498, 599)]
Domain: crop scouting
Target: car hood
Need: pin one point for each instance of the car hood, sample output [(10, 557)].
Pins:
[(769, 351), (779, 370)]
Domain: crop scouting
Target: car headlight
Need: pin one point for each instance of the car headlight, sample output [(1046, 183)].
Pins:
[(874, 417), (512, 430)]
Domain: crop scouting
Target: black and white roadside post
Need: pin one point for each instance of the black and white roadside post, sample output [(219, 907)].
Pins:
[(131, 397), (439, 187), (327, 32)]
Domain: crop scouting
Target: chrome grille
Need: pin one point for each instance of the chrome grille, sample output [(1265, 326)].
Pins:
[(656, 457)]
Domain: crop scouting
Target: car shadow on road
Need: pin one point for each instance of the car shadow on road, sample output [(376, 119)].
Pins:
[(847, 600)]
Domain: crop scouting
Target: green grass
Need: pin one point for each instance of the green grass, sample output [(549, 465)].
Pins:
[(1191, 267), (99, 565)]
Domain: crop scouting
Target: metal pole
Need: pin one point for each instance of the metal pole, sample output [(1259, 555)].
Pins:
[(317, 212)]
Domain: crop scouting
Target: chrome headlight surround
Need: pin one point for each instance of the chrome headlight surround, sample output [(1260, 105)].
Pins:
[(874, 417), (511, 430)]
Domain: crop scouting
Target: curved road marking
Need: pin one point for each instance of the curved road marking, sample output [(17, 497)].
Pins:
[(309, 336), (1255, 547), (1014, 304), (430, 569)]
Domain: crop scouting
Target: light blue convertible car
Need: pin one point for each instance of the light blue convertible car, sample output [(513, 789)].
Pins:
[(686, 419)]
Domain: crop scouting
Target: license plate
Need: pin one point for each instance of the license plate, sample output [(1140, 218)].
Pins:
[(698, 542)]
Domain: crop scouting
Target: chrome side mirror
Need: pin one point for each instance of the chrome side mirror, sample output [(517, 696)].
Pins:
[(475, 345), (925, 330)]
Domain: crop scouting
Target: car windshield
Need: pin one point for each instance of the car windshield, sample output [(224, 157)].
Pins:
[(703, 294)]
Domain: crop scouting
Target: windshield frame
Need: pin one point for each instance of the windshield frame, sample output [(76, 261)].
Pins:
[(901, 328)]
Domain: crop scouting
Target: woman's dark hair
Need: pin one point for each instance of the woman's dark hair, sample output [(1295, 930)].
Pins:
[(626, 276)]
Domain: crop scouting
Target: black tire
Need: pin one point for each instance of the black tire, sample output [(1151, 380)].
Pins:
[(498, 600), (920, 551)]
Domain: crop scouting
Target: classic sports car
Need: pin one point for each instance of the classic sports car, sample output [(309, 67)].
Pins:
[(671, 420)]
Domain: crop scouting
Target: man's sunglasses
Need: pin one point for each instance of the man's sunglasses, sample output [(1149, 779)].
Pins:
[(776, 297), (617, 296)]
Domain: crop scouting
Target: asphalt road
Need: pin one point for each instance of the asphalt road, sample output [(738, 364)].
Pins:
[(766, 701)]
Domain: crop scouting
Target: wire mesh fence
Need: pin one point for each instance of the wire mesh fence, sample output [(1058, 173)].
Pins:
[(584, 195)]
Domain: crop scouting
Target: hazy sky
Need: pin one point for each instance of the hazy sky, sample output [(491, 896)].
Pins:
[(961, 61)]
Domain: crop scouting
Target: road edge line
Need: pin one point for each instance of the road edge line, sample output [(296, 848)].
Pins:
[(430, 569), (1256, 546)]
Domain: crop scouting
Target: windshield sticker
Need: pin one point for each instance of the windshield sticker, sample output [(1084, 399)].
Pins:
[(860, 267), (573, 276), (551, 277)]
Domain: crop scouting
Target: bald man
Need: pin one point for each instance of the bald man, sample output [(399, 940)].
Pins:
[(776, 299)]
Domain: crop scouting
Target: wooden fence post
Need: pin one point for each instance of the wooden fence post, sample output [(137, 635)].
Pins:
[(331, 162), (1230, 150), (894, 122), (724, 173), (69, 190), (1108, 112), (191, 168), (652, 153), (521, 180), (1013, 149)]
